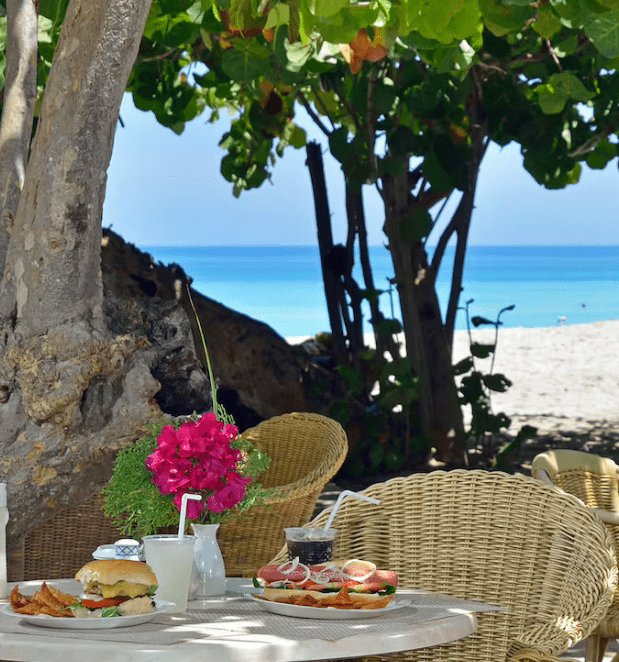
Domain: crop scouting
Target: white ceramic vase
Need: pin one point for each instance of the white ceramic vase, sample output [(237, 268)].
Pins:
[(209, 573)]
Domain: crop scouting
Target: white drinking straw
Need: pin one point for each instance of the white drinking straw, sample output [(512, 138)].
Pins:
[(341, 498), (181, 524)]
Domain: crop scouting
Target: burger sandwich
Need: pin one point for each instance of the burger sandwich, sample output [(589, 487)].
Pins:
[(352, 584), (115, 587)]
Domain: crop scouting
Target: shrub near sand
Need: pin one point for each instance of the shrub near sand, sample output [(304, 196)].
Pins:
[(565, 382)]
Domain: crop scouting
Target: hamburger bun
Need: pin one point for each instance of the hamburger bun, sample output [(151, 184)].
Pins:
[(112, 571)]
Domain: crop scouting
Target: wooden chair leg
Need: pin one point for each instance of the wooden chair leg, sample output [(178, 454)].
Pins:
[(595, 647)]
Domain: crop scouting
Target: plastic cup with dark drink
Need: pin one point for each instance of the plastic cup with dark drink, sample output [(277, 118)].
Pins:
[(312, 546)]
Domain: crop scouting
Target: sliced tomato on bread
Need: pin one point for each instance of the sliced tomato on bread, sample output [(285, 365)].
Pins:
[(104, 602), (317, 585)]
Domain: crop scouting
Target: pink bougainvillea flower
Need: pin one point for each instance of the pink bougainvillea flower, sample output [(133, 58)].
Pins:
[(198, 457), (227, 497)]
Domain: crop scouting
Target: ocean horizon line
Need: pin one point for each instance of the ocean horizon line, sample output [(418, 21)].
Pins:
[(149, 246)]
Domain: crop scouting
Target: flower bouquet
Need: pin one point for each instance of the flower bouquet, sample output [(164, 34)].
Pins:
[(203, 455)]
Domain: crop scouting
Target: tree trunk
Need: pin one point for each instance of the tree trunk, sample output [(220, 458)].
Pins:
[(71, 393), (332, 283), (426, 343)]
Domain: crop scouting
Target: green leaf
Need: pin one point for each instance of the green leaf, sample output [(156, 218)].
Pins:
[(110, 612), (173, 31), (397, 396), (403, 141), (552, 99), (482, 351), (298, 55), (498, 383), (295, 135), (326, 102), (566, 47), (352, 377), (340, 148), (416, 226), (604, 152), (243, 16), (387, 327), (603, 30), (392, 166), (242, 66), (546, 23), (326, 7), (501, 19), (572, 14), (463, 366)]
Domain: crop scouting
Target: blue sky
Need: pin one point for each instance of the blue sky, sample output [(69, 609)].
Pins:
[(166, 190)]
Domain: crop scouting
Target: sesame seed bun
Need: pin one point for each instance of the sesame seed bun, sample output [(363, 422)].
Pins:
[(110, 571)]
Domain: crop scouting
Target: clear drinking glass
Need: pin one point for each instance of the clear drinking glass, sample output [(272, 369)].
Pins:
[(171, 560), (312, 546)]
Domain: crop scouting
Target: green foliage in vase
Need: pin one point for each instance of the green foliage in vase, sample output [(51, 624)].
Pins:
[(135, 503)]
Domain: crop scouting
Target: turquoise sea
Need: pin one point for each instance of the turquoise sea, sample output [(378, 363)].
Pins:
[(282, 285)]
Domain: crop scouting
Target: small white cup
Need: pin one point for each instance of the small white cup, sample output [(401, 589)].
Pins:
[(127, 548)]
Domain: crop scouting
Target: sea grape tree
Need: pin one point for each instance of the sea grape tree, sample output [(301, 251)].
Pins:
[(408, 96)]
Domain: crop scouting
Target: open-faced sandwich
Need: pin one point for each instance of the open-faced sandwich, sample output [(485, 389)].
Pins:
[(351, 584)]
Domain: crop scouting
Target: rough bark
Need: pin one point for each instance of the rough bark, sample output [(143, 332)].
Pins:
[(20, 93), (71, 392)]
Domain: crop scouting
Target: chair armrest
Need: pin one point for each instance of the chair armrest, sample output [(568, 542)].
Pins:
[(607, 516), (543, 477)]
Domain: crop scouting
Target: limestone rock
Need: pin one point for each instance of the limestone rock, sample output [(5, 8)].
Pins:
[(259, 374)]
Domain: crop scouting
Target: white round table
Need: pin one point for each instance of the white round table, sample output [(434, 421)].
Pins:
[(214, 633)]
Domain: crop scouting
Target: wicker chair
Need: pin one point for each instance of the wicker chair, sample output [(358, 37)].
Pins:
[(594, 480), (494, 538), (306, 450), (61, 546)]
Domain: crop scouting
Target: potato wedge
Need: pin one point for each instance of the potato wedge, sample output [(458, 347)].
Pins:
[(65, 599)]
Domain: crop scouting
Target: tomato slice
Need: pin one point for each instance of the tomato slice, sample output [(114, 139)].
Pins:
[(104, 602)]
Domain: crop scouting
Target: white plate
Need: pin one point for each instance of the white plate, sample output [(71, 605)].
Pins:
[(65, 623), (326, 613)]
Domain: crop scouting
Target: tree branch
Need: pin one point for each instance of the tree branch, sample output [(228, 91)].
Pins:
[(312, 114), (17, 112)]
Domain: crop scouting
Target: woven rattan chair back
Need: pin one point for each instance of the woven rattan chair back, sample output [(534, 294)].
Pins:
[(491, 537), (595, 481), (61, 546), (306, 450)]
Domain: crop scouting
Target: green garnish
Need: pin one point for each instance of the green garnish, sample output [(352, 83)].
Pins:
[(107, 612)]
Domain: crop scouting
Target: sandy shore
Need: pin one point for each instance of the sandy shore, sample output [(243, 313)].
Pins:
[(563, 375)]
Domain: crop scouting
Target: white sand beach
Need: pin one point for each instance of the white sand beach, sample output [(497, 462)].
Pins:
[(563, 371), (565, 376)]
